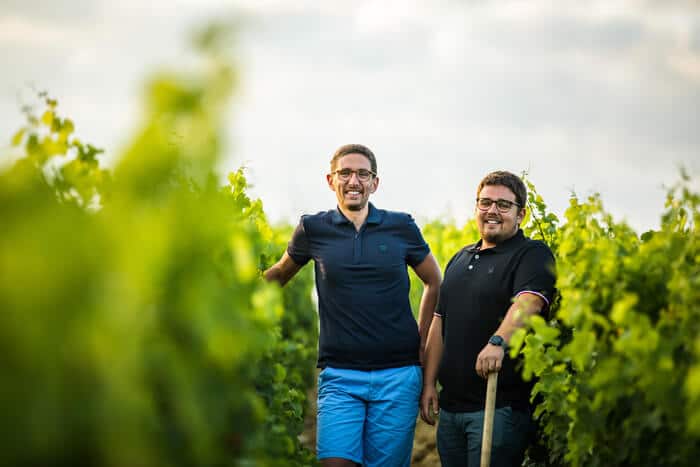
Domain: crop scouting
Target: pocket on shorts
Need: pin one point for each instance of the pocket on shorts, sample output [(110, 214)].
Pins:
[(415, 382), (322, 376), (419, 376)]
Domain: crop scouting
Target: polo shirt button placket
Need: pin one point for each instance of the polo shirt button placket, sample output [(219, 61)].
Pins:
[(357, 247), (471, 266)]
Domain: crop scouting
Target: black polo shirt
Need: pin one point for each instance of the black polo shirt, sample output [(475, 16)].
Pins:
[(362, 282), (478, 289)]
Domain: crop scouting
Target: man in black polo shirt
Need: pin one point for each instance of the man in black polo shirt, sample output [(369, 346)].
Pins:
[(369, 343), (489, 287)]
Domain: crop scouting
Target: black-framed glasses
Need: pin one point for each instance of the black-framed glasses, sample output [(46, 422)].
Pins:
[(503, 205), (346, 174)]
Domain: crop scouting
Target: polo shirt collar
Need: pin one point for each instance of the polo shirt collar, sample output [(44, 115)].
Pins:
[(374, 216), (338, 218), (504, 246)]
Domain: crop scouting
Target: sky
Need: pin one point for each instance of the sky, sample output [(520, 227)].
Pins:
[(588, 97)]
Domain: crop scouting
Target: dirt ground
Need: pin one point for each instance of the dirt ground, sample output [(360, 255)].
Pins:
[(424, 450)]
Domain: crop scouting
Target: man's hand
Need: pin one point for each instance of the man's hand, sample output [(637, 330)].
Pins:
[(489, 360), (428, 404), (433, 354), (282, 271)]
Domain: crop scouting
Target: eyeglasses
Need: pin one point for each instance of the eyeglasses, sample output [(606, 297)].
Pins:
[(503, 205), (346, 174)]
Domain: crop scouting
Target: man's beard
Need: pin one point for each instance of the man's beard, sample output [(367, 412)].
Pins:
[(500, 237), (360, 204), (357, 207), (494, 238)]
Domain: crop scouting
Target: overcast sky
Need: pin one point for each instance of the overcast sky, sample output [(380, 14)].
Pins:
[(596, 96)]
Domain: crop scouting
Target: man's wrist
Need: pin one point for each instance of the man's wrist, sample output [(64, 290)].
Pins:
[(498, 341)]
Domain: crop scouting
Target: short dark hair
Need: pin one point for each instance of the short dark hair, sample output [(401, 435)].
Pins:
[(508, 180), (354, 149)]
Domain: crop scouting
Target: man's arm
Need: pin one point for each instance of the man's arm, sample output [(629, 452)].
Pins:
[(433, 354), (491, 356), (428, 272), (282, 271)]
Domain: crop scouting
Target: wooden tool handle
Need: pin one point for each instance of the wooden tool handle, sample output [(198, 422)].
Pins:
[(488, 419)]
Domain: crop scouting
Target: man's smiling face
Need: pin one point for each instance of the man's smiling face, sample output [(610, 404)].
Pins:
[(495, 226), (352, 194)]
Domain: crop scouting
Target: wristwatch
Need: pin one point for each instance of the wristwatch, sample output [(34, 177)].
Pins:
[(497, 340)]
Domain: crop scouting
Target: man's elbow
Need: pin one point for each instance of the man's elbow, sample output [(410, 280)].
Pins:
[(531, 304), (432, 285)]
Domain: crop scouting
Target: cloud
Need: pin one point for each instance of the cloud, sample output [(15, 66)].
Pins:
[(578, 95), (597, 95), (51, 11)]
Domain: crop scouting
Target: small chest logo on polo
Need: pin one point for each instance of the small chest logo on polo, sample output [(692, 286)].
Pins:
[(383, 249), (489, 270)]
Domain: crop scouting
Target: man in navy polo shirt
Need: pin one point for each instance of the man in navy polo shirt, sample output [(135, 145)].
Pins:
[(489, 288), (370, 346)]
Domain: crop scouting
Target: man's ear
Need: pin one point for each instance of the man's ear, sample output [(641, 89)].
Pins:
[(520, 216), (375, 184), (329, 179)]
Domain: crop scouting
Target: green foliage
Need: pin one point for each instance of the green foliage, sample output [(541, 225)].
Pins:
[(444, 240), (539, 224), (136, 330), (287, 368), (617, 377), (135, 327), (70, 167)]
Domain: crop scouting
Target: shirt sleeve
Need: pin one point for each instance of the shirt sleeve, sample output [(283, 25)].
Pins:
[(535, 273), (441, 305), (416, 247), (299, 248)]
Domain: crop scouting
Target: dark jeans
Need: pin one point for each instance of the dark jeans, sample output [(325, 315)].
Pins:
[(459, 437)]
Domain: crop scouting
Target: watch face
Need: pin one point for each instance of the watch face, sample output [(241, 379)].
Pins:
[(496, 340)]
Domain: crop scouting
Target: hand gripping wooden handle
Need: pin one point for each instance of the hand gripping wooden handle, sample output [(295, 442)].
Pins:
[(488, 419)]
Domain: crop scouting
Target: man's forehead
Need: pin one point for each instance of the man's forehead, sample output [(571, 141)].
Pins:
[(500, 191), (353, 160)]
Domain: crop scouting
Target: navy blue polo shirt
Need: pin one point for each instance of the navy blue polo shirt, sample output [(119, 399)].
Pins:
[(476, 293), (362, 282)]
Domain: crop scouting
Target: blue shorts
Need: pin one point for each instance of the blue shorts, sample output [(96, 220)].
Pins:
[(368, 417)]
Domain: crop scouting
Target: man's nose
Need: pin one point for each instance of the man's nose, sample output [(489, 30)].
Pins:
[(353, 175), (494, 206)]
